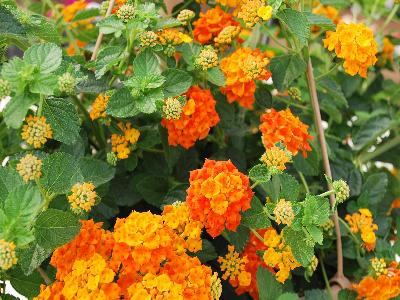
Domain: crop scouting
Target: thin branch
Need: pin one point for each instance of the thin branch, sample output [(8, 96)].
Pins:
[(46, 278), (100, 36)]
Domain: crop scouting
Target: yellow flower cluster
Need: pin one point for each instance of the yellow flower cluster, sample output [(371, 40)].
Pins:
[(226, 36), (229, 3), (83, 197), (207, 59), (362, 222), (185, 16), (172, 108), (216, 286), (172, 36), (278, 255), (148, 39), (87, 279), (36, 131), (283, 212), (355, 44), (8, 258), (99, 106), (120, 143), (378, 265), (276, 157), (29, 167), (253, 11), (233, 267), (177, 217)]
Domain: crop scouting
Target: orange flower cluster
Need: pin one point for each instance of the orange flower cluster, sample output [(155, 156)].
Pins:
[(217, 194), (253, 262), (283, 126), (355, 44), (384, 287), (388, 49), (197, 118), (233, 266), (71, 10), (211, 23), (120, 143), (241, 69), (99, 106), (143, 258), (362, 222)]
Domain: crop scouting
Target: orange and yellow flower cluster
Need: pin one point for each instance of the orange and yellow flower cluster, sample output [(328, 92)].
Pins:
[(233, 266), (355, 44), (241, 69), (282, 126), (211, 23), (279, 255), (36, 131), (99, 106), (121, 143), (143, 258), (363, 223), (328, 11), (197, 118), (217, 194)]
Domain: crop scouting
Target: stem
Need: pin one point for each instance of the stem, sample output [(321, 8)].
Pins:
[(268, 214), (39, 111), (46, 278), (186, 4), (328, 193), (379, 150), (288, 102), (390, 17), (100, 36), (328, 286), (303, 180), (254, 184), (325, 159), (319, 77), (257, 234)]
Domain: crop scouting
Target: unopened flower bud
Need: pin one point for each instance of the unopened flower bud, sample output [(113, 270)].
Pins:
[(112, 159), (342, 190), (283, 212), (66, 83), (5, 89), (172, 109), (294, 93), (185, 16), (148, 39), (126, 12), (8, 258), (207, 59)]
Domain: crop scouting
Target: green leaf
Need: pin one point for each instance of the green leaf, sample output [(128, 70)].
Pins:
[(286, 68), (189, 51), (146, 63), (63, 119), (177, 82), (316, 210), (297, 241), (41, 27), (28, 286), (9, 25), (147, 103), (276, 4), (255, 217), (44, 84), (60, 173), (153, 189), (31, 258), (110, 25), (370, 130), (337, 3), (269, 288), (215, 76), (207, 253), (96, 171), (55, 227), (288, 296), (316, 294), (108, 57), (374, 189), (238, 238), (47, 57), (121, 104), (347, 294), (290, 188), (309, 166), (297, 23), (86, 14), (13, 70), (9, 179), (316, 233), (321, 21), (260, 173), (17, 108)]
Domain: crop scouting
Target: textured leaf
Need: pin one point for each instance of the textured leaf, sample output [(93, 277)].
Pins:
[(60, 173), (63, 119), (316, 233), (44, 28), (44, 84), (302, 251), (320, 21), (28, 286), (290, 188), (268, 287), (153, 189), (347, 294), (189, 51), (9, 25), (238, 238), (17, 108), (9, 179), (215, 76), (207, 253), (288, 296), (146, 63), (177, 82), (46, 56), (309, 166), (297, 23), (286, 68), (54, 228), (31, 258), (96, 171), (374, 188), (86, 14), (255, 217), (370, 130), (121, 104), (110, 25), (316, 210), (337, 3), (108, 57), (316, 294), (260, 173), (147, 103)]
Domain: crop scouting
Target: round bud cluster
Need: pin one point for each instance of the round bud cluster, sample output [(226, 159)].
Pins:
[(172, 109), (112, 159), (207, 59), (8, 258), (66, 83), (29, 167), (328, 227), (342, 190), (283, 212), (5, 89), (148, 39), (185, 16), (169, 50), (126, 12), (378, 265), (294, 93), (104, 7)]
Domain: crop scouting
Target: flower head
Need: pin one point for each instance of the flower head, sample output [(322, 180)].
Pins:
[(197, 118), (276, 157), (66, 83), (226, 36), (283, 212), (216, 287), (207, 59), (241, 68), (71, 10), (99, 106), (173, 37), (8, 258), (126, 12), (29, 167), (83, 197), (172, 108), (342, 190), (362, 222), (328, 226), (148, 39), (120, 143), (36, 131), (217, 194), (387, 51), (233, 267), (252, 11), (378, 266), (355, 44), (185, 16), (229, 3), (211, 23), (294, 93), (5, 89), (283, 126)]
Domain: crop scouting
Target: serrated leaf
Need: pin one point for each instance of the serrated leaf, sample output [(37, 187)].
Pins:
[(286, 68), (302, 251), (255, 217), (189, 51), (9, 179), (260, 173), (347, 294), (297, 23), (9, 25), (336, 3), (316, 210), (290, 188), (316, 233), (309, 166), (28, 286), (374, 189), (31, 258), (269, 288), (320, 21), (107, 58), (89, 84), (121, 104), (153, 189), (316, 294), (96, 171), (63, 119), (47, 57), (147, 103), (110, 25), (86, 14), (44, 28), (146, 63), (370, 130), (54, 228), (17, 108), (238, 238), (43, 84), (177, 82), (60, 172), (216, 76)]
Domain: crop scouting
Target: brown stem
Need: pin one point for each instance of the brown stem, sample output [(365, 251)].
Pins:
[(100, 36), (46, 278), (340, 278)]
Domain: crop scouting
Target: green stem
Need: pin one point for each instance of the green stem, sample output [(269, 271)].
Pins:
[(303, 180), (257, 234), (319, 77), (328, 286), (39, 111), (268, 214), (367, 156), (254, 184), (328, 193), (185, 5), (44, 275), (390, 17)]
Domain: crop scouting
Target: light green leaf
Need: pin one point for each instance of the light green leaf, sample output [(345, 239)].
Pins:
[(255, 217), (110, 25), (189, 51), (96, 171), (108, 57), (316, 210), (288, 296), (60, 173), (9, 25), (337, 3), (286, 68), (9, 179), (63, 119), (121, 104), (17, 108), (177, 82), (54, 228), (12, 70), (46, 56), (268, 287), (147, 103), (321, 21), (44, 28), (43, 84), (316, 233), (297, 23), (260, 173), (276, 4), (347, 294), (297, 241), (290, 188), (316, 294), (146, 63), (215, 76), (31, 258), (86, 14)]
